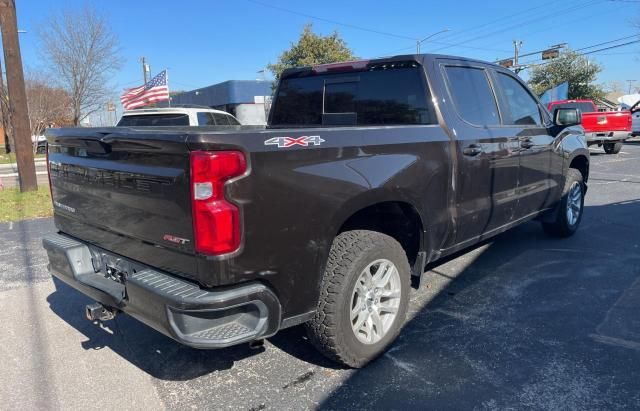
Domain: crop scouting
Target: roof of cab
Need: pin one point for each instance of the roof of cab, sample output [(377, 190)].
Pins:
[(363, 63)]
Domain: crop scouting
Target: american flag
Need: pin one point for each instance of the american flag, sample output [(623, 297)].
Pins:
[(155, 90)]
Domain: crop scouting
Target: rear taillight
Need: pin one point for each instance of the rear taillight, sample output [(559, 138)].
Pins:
[(216, 221)]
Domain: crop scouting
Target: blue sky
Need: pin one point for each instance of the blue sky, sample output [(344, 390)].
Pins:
[(206, 42)]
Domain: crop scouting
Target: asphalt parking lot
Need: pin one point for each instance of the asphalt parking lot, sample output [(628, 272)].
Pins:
[(523, 321)]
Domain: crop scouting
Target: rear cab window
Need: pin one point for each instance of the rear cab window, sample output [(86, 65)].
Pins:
[(582, 106), (154, 120), (381, 94)]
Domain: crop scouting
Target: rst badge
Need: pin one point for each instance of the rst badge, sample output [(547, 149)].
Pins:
[(285, 142), (174, 239)]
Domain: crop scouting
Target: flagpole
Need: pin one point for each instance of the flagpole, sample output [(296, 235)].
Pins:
[(167, 78)]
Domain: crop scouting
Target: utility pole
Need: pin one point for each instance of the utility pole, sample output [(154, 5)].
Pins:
[(111, 108), (517, 44), (18, 110), (145, 69), (630, 85)]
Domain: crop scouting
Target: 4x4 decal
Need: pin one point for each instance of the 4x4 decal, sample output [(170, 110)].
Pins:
[(284, 142)]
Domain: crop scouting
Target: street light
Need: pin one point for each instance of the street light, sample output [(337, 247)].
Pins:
[(419, 42)]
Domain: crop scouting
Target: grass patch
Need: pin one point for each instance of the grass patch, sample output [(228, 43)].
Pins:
[(11, 157), (15, 205)]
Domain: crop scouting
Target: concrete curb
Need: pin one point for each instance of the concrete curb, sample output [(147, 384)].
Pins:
[(14, 166)]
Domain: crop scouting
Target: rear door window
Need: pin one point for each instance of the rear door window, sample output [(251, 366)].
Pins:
[(205, 119), (521, 108), (383, 95), (221, 119), (472, 95)]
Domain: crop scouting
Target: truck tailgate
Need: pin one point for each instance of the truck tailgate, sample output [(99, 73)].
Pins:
[(609, 121), (124, 191)]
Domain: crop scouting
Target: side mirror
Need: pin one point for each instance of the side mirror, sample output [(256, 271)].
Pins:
[(566, 117)]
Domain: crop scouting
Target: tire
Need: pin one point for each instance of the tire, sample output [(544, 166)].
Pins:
[(612, 148), (354, 257), (566, 224)]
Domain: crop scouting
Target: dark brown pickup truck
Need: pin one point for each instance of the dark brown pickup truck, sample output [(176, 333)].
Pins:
[(367, 171)]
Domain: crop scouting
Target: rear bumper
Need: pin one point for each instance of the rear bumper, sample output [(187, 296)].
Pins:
[(607, 136), (177, 308)]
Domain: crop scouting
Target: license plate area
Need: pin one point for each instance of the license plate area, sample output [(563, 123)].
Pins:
[(113, 270), (114, 274)]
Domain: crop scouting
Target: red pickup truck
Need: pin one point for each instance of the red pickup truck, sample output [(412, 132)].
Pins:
[(609, 129)]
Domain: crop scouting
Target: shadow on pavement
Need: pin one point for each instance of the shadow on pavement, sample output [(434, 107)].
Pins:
[(514, 321), (149, 350), (533, 321)]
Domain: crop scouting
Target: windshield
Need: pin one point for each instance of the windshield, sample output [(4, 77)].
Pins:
[(151, 120)]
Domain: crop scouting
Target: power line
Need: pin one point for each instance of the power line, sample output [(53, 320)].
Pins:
[(580, 19), (457, 34), (609, 42), (624, 53), (462, 44), (555, 13), (493, 22), (533, 53), (587, 53), (352, 26)]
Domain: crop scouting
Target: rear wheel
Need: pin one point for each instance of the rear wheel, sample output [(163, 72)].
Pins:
[(612, 148), (363, 298), (569, 213)]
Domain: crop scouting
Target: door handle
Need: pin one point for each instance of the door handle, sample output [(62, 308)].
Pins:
[(472, 150)]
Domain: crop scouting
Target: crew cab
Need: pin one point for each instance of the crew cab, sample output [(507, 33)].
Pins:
[(366, 172), (609, 129), (176, 116)]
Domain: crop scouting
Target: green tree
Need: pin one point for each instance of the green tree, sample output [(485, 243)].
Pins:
[(573, 68), (311, 49)]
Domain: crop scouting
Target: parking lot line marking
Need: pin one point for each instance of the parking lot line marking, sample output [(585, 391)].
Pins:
[(618, 342)]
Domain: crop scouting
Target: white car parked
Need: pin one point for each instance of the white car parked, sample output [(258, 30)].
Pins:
[(177, 116), (40, 142)]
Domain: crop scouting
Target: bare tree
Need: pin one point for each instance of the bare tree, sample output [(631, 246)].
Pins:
[(4, 118), (82, 53), (48, 105)]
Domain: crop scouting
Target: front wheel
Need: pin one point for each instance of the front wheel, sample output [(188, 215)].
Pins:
[(612, 148), (570, 209), (363, 298)]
